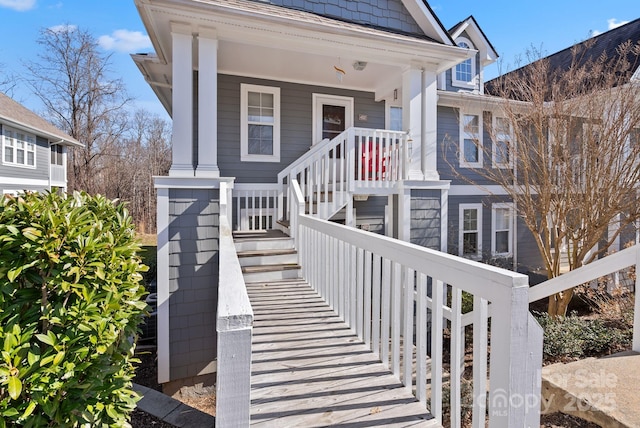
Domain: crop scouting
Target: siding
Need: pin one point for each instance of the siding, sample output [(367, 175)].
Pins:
[(295, 126), (449, 73), (449, 140), (370, 214), (40, 172), (425, 218), (389, 14), (193, 279)]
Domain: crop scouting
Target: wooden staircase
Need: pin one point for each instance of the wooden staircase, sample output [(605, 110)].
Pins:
[(266, 256)]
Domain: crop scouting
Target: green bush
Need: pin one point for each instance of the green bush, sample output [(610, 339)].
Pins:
[(70, 304), (574, 336)]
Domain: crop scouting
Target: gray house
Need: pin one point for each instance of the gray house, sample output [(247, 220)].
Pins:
[(34, 152), (369, 105)]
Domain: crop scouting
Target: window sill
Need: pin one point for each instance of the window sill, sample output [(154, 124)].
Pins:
[(259, 158)]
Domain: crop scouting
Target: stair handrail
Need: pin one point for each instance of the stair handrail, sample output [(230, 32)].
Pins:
[(317, 150)]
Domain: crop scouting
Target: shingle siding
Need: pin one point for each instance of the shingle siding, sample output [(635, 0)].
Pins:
[(295, 126), (390, 14), (193, 280), (425, 218)]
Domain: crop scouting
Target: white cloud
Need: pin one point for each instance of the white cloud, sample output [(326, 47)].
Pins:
[(125, 41), (19, 5), (63, 28), (611, 24)]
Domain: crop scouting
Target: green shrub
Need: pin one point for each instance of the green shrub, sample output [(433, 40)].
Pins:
[(70, 304), (574, 336)]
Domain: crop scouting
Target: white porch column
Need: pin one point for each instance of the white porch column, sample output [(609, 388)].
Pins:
[(207, 104), (429, 148), (412, 117), (182, 101)]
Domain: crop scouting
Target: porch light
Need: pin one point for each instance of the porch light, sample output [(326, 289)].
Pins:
[(339, 73), (359, 65)]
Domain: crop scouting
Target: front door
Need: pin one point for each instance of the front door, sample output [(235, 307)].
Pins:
[(331, 115)]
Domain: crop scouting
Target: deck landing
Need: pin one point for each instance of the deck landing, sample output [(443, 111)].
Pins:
[(309, 369)]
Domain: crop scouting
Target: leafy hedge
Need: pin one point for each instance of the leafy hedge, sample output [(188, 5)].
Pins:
[(70, 303)]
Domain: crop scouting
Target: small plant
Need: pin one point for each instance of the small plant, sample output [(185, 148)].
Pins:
[(70, 304), (575, 337)]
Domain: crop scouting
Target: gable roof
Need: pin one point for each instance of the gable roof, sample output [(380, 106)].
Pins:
[(488, 54), (603, 44), (16, 115)]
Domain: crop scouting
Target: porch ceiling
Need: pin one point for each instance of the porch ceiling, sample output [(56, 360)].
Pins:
[(293, 47)]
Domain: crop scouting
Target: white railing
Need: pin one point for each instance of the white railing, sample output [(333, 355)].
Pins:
[(359, 160), (234, 324), (607, 265), (255, 205), (388, 291)]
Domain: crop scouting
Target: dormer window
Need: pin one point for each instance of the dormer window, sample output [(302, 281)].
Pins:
[(464, 74)]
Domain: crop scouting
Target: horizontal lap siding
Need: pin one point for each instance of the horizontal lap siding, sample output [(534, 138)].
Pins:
[(295, 125), (193, 280), (425, 218), (370, 214), (449, 140), (40, 172)]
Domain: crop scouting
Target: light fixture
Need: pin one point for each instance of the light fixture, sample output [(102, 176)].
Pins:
[(359, 65)]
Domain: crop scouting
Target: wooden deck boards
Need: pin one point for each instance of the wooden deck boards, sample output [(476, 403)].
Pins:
[(310, 370)]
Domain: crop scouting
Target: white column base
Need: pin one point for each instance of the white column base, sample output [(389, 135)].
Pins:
[(207, 171), (181, 171)]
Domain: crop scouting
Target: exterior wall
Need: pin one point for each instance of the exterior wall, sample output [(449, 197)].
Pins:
[(370, 214), (296, 108), (449, 73), (449, 140), (23, 178), (529, 259), (390, 14), (193, 281), (425, 218)]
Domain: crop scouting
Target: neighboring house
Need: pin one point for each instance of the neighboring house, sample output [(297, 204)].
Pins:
[(34, 152), (363, 98), (605, 45)]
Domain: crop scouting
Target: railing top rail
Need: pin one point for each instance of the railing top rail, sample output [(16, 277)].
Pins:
[(315, 149), (467, 274), (609, 264), (234, 308)]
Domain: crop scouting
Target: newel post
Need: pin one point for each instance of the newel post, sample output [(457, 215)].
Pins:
[(511, 397)]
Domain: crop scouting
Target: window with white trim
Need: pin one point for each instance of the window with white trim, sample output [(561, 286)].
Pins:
[(470, 230), (18, 148), (259, 123), (470, 140), (502, 145), (502, 229), (464, 74)]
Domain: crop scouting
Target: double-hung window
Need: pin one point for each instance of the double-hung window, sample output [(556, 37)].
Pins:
[(470, 231), (470, 140), (259, 123), (502, 229), (18, 148), (502, 153)]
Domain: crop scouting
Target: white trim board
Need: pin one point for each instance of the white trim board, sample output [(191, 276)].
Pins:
[(14, 181)]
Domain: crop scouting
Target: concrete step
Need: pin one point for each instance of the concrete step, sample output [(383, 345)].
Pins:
[(268, 257), (272, 272), (605, 391)]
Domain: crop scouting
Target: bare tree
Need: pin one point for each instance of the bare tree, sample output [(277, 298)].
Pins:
[(568, 139), (72, 79)]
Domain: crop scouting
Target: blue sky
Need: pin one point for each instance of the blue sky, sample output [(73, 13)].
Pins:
[(512, 26)]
